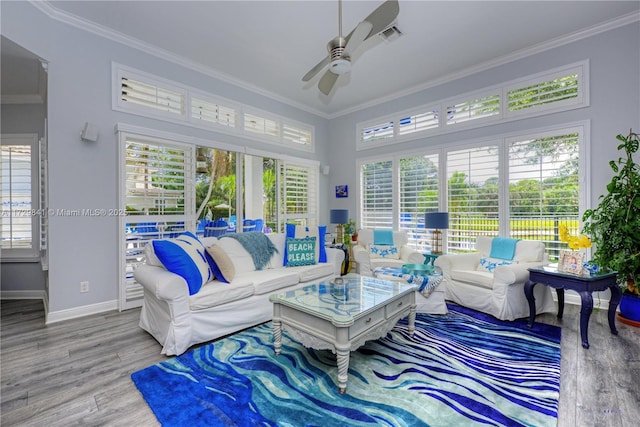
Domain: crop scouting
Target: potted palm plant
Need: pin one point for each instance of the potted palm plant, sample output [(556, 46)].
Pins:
[(614, 227)]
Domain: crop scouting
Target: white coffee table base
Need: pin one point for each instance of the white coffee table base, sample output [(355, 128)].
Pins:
[(323, 334)]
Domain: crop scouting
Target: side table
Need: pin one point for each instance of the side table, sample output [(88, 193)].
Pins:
[(346, 264), (583, 285)]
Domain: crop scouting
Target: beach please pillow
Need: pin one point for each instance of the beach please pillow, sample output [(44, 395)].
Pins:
[(301, 251), (185, 256), (300, 231)]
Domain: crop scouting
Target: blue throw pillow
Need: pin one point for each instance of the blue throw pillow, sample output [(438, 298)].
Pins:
[(299, 231), (185, 256), (382, 237), (301, 251)]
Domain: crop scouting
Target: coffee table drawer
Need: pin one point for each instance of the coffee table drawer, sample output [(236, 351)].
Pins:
[(401, 304), (366, 322)]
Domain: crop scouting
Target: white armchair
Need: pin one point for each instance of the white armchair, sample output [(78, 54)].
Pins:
[(501, 291), (366, 263)]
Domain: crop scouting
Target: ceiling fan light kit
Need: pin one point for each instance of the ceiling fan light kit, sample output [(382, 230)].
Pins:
[(338, 61)]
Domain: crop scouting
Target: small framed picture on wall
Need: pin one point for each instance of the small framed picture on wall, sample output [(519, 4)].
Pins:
[(342, 191)]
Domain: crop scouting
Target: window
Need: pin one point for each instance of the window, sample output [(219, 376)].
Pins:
[(20, 198), (548, 91), (418, 194), (298, 194), (472, 198), (522, 186), (376, 195), (560, 89), (212, 112), (475, 109), (544, 187), (141, 93), (158, 197)]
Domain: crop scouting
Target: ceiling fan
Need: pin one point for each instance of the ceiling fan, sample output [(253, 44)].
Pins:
[(338, 61)]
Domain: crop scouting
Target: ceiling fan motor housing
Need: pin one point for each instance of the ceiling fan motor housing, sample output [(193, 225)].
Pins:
[(340, 64)]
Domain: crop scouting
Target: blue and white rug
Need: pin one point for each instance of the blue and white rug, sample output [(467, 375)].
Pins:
[(460, 369)]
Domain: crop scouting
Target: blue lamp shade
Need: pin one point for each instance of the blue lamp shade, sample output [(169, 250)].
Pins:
[(438, 220), (339, 216)]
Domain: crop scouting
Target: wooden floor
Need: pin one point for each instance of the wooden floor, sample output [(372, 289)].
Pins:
[(77, 372)]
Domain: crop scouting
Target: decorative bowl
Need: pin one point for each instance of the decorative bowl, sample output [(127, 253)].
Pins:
[(417, 269)]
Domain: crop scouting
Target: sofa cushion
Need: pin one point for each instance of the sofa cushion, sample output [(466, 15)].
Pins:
[(479, 278), (308, 273), (529, 251), (385, 262), (222, 265), (270, 280), (301, 251), (384, 251), (241, 259), (185, 256), (490, 264), (298, 231), (217, 293)]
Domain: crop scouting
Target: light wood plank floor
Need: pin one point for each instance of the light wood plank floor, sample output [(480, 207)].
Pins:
[(77, 372)]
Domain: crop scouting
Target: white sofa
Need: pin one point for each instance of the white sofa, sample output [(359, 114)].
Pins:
[(501, 292), (366, 263), (178, 320)]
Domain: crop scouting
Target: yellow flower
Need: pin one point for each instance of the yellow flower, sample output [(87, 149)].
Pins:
[(574, 242)]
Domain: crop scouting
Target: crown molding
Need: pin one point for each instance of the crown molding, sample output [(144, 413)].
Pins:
[(118, 37), (113, 35), (523, 53)]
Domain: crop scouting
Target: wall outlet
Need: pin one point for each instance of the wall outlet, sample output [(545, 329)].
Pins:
[(84, 286)]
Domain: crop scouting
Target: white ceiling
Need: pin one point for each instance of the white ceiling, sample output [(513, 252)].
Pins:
[(270, 45)]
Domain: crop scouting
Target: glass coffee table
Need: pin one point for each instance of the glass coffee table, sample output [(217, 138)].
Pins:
[(342, 316)]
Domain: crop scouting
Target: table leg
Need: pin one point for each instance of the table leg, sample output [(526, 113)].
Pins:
[(342, 359), (560, 294), (528, 292), (585, 314), (277, 335), (616, 296), (412, 320)]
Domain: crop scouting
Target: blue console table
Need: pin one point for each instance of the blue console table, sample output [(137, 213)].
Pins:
[(583, 285)]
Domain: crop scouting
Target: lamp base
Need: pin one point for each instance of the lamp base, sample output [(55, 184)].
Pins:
[(339, 235), (436, 242)]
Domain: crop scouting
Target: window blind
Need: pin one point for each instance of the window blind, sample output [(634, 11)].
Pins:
[(17, 193), (211, 112), (298, 196), (376, 195), (152, 96), (261, 125), (474, 109)]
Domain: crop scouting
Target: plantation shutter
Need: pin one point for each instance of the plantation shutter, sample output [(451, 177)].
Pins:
[(544, 188), (376, 195), (298, 194), (157, 193), (475, 109), (562, 90), (296, 134), (152, 96), (211, 112), (379, 132), (472, 176), (16, 197), (418, 194), (44, 204), (261, 125), (419, 122)]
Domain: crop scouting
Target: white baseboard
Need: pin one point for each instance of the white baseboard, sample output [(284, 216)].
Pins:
[(74, 313), (22, 295)]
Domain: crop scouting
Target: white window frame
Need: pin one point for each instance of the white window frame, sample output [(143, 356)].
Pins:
[(118, 71), (27, 254), (580, 68)]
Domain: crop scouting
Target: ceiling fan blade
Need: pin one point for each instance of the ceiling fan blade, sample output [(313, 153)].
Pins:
[(327, 81), (383, 16), (357, 36), (315, 70)]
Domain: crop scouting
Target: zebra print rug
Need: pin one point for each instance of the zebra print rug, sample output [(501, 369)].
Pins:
[(460, 369)]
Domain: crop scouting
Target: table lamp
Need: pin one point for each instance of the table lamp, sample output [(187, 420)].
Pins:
[(437, 221), (339, 217)]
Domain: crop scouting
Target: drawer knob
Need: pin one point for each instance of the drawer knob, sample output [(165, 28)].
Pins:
[(368, 320), (400, 303)]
